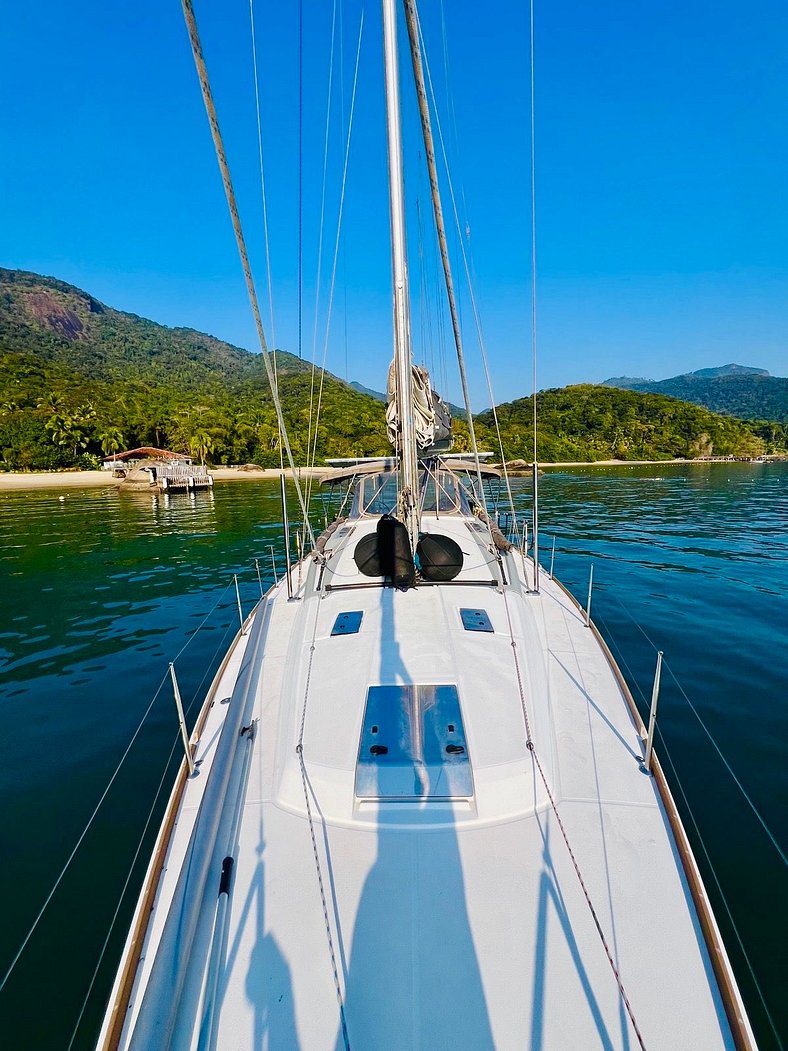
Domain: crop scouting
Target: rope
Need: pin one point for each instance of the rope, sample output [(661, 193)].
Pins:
[(663, 749), (315, 852), (755, 982), (142, 838), (82, 835), (411, 18), (221, 157), (123, 892), (718, 750), (529, 742), (466, 267), (592, 910)]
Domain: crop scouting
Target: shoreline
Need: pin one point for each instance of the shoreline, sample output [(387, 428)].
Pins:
[(19, 481)]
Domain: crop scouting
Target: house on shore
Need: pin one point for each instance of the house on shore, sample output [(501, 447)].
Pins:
[(160, 469)]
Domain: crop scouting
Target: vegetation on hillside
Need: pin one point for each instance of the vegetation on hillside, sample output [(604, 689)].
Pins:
[(753, 395), (587, 422), (79, 380)]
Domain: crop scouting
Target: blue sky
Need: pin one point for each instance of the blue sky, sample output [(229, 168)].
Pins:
[(662, 171)]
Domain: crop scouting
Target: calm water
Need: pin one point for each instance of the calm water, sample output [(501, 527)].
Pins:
[(100, 590)]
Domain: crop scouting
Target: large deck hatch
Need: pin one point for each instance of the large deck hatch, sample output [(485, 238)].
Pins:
[(413, 745)]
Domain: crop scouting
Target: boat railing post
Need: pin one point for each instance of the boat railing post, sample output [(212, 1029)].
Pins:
[(590, 590), (273, 565), (535, 529), (286, 526), (652, 719), (238, 600), (552, 559), (181, 721), (259, 578)]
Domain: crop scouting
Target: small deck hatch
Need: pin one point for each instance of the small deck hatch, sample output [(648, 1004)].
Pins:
[(413, 745), (476, 620), (347, 623)]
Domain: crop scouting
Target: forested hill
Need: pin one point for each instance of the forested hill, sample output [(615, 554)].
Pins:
[(587, 422), (79, 379), (748, 393)]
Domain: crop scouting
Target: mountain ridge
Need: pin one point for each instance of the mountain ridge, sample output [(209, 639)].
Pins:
[(80, 379), (742, 391)]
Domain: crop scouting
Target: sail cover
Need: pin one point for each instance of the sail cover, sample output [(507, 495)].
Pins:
[(432, 418)]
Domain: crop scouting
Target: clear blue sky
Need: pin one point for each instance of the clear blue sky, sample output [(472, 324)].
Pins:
[(662, 176)]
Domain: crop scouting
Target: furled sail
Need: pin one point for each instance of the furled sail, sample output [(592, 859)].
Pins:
[(432, 418)]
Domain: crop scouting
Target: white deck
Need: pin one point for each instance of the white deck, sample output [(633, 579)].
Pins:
[(456, 924)]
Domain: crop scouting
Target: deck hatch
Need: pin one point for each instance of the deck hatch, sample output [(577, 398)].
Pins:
[(413, 745), (347, 623), (476, 620)]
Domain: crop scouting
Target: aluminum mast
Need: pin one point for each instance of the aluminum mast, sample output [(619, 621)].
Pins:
[(406, 435)]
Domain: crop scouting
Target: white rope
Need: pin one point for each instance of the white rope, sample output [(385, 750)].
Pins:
[(412, 22), (466, 266), (213, 121)]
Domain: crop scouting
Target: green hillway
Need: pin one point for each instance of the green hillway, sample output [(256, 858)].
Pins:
[(79, 379)]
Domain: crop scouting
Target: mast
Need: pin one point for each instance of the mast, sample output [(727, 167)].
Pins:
[(406, 436)]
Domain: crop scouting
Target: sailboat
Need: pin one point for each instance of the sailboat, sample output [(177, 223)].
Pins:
[(415, 811)]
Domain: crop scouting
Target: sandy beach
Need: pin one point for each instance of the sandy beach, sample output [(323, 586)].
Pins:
[(93, 479)]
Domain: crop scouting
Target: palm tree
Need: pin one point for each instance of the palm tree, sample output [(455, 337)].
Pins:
[(111, 439)]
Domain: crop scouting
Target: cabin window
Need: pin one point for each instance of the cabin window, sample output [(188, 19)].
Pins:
[(439, 492), (413, 745), (376, 495)]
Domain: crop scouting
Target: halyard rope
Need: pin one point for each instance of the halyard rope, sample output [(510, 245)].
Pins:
[(210, 109), (318, 869)]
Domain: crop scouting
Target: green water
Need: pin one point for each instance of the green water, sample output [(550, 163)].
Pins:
[(100, 590)]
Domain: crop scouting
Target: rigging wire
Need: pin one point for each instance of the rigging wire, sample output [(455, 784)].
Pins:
[(474, 305), (721, 892), (210, 108), (82, 834), (707, 731), (311, 459), (141, 840), (663, 749), (109, 784), (263, 196), (320, 239), (300, 173), (411, 19), (535, 524), (264, 200)]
